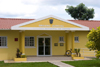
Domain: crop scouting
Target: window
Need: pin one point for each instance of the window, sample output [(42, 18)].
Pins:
[(3, 41), (29, 41), (76, 39), (61, 39)]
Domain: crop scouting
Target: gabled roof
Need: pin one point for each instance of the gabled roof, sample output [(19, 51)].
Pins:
[(7, 23), (18, 27)]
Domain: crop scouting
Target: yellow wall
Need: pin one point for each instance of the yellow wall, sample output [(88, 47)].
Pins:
[(55, 22), (82, 39), (56, 50), (81, 44), (10, 52)]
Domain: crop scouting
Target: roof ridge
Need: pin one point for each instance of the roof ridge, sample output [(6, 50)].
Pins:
[(16, 19)]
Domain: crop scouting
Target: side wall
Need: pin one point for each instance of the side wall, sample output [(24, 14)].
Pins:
[(10, 51), (81, 44), (82, 39)]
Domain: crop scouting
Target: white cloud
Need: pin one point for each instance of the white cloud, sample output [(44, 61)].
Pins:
[(33, 2), (16, 7), (97, 13), (41, 8)]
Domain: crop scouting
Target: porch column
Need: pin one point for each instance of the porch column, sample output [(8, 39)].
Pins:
[(23, 42), (67, 45), (73, 43)]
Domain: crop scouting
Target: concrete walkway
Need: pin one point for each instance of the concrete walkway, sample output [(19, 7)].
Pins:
[(52, 60), (60, 64)]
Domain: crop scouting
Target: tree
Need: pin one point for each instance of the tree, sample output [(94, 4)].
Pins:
[(80, 12), (94, 39)]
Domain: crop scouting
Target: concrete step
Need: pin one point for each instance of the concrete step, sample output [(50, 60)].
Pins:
[(48, 58)]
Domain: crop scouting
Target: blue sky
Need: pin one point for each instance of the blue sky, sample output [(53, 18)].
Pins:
[(39, 8)]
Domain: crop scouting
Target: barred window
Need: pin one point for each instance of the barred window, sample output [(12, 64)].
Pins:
[(76, 39), (3, 41), (61, 38), (29, 41)]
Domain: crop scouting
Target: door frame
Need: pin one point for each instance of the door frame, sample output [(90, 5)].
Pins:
[(50, 45)]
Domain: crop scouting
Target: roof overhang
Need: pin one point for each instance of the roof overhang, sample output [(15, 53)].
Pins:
[(37, 28)]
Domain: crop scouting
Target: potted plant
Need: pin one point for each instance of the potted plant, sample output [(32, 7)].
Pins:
[(78, 54), (19, 56)]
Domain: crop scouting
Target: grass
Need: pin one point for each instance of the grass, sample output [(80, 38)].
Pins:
[(84, 63), (35, 64)]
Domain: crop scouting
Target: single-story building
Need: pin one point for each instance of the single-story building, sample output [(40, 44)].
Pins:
[(47, 36)]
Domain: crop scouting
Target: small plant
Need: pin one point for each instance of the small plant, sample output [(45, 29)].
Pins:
[(98, 54), (23, 56), (18, 54), (77, 51)]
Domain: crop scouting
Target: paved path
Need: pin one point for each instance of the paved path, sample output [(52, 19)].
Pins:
[(60, 64)]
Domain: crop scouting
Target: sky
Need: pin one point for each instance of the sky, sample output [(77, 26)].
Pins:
[(35, 9)]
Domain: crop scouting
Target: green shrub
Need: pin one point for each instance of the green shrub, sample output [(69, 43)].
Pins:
[(98, 54), (23, 56), (77, 51)]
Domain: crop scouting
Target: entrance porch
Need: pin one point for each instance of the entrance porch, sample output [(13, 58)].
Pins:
[(46, 44)]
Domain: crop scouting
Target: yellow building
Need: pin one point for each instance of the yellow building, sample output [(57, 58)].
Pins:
[(47, 36)]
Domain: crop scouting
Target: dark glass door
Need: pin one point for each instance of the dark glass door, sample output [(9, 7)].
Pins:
[(47, 46), (43, 46)]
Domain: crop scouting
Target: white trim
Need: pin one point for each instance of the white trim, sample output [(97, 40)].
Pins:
[(17, 27), (5, 29), (44, 33), (61, 42), (77, 42), (4, 47), (44, 45), (39, 28), (30, 47)]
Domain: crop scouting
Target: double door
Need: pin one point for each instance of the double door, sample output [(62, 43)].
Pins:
[(44, 46)]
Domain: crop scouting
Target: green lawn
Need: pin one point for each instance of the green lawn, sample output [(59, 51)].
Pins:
[(84, 63), (36, 64)]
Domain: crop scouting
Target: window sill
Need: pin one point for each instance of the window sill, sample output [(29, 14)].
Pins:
[(4, 47), (77, 42), (30, 47), (61, 42)]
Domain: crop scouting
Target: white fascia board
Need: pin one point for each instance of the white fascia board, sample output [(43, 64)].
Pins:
[(37, 28), (18, 26), (5, 29)]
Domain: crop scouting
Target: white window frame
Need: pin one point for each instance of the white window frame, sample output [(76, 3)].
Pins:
[(6, 42), (61, 41), (33, 43), (77, 39)]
